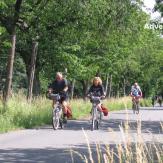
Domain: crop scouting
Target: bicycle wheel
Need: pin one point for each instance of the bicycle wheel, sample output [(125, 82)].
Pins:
[(137, 108), (61, 123), (55, 119), (97, 124), (93, 119), (133, 107)]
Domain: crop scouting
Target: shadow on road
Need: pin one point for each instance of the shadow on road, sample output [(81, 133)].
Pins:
[(48, 155), (67, 155), (153, 127), (153, 108)]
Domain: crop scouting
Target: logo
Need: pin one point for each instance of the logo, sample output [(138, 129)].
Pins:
[(153, 26)]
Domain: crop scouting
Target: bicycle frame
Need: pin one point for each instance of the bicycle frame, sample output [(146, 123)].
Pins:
[(95, 113), (135, 103), (57, 112)]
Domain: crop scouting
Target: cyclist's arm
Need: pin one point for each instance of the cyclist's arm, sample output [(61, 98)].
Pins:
[(51, 88), (140, 92), (131, 94), (90, 91), (65, 89)]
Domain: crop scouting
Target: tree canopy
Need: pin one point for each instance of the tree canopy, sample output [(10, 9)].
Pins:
[(83, 38)]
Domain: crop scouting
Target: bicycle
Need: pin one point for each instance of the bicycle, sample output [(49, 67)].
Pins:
[(135, 105), (96, 114), (57, 113)]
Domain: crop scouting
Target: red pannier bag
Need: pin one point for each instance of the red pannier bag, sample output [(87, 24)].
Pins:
[(69, 112), (104, 110)]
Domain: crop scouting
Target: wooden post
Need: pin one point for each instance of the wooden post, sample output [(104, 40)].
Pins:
[(110, 86), (10, 63), (32, 70)]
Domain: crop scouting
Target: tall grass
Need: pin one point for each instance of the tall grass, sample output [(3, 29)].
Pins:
[(20, 114), (81, 108), (130, 150)]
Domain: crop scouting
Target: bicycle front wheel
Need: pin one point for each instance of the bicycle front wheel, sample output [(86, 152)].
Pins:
[(133, 107), (93, 118), (55, 120), (137, 108)]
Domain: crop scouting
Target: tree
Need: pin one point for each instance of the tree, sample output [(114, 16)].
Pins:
[(9, 22)]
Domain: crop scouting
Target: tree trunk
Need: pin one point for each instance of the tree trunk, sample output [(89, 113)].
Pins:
[(72, 89), (85, 88), (124, 87), (36, 84), (107, 83), (110, 87), (10, 62), (11, 28), (32, 71), (117, 91)]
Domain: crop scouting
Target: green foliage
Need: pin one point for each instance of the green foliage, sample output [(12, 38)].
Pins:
[(86, 38), (19, 114)]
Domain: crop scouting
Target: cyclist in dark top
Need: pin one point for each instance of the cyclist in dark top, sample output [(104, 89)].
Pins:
[(97, 90), (60, 86)]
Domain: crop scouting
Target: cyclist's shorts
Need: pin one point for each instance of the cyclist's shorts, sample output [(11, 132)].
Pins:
[(64, 98)]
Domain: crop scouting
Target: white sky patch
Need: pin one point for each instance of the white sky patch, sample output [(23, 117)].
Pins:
[(149, 8)]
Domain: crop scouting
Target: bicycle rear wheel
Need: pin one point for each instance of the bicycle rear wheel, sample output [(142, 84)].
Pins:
[(61, 123)]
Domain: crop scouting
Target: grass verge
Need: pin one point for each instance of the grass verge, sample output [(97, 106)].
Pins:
[(20, 114)]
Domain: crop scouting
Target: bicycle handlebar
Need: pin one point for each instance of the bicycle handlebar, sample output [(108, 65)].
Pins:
[(54, 96)]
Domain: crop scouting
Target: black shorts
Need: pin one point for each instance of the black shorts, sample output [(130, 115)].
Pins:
[(64, 97)]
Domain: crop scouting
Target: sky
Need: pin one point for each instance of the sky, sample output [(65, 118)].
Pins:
[(149, 5)]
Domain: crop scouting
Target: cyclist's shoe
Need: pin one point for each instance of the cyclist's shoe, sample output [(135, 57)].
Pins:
[(64, 119)]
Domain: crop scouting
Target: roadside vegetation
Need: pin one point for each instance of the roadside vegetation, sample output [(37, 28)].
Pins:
[(20, 114), (133, 148)]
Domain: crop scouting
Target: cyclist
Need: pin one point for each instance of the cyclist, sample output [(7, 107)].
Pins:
[(60, 86), (159, 99), (154, 99), (97, 90), (136, 92)]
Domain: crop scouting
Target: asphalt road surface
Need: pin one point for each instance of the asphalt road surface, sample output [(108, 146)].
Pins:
[(44, 145)]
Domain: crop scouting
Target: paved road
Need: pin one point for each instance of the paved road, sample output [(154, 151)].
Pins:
[(46, 145)]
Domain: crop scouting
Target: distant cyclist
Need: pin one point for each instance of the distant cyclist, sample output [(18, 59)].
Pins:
[(159, 99), (136, 92), (60, 86), (97, 90)]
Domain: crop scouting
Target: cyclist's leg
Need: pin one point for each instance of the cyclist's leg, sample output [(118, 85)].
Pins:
[(53, 103), (99, 107), (64, 106), (133, 103)]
